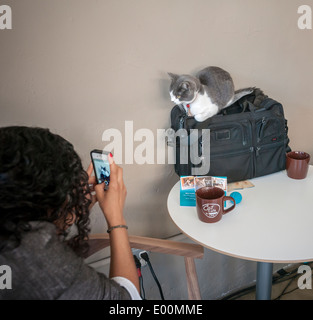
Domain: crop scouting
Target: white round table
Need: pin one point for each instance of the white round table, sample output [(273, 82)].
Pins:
[(273, 223)]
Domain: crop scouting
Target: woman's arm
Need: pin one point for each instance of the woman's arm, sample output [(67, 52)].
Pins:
[(112, 205)]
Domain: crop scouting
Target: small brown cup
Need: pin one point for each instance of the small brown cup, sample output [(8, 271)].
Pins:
[(297, 164), (210, 204)]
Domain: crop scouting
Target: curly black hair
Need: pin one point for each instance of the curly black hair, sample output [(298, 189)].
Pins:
[(41, 179)]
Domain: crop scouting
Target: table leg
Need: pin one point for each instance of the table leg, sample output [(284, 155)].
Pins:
[(264, 281)]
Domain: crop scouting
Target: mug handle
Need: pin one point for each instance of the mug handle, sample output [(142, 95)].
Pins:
[(232, 207)]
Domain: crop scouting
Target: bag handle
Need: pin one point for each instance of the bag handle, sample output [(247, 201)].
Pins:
[(265, 105), (249, 105), (268, 102)]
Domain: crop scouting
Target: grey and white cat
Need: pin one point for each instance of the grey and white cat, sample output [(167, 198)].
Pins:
[(206, 94)]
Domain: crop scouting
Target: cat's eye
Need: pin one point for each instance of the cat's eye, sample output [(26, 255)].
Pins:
[(178, 97)]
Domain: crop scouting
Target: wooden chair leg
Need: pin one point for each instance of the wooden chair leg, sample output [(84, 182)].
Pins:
[(192, 279)]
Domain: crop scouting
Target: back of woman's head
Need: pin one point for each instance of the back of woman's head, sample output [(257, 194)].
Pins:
[(41, 179)]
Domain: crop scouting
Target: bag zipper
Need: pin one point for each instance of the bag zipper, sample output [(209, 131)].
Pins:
[(260, 133), (182, 121), (264, 121), (268, 146), (234, 153)]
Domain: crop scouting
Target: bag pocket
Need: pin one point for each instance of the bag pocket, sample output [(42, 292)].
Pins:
[(270, 158), (228, 135), (236, 166), (269, 130)]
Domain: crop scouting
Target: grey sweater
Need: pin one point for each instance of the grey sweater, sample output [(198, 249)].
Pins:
[(43, 267)]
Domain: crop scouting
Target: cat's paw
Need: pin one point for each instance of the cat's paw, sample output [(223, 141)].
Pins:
[(202, 117)]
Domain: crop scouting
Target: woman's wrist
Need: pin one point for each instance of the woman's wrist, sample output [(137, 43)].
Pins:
[(123, 226), (115, 222)]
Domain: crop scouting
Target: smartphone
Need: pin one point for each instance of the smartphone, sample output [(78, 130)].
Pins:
[(101, 166)]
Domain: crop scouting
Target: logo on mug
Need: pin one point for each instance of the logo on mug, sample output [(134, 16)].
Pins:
[(211, 210)]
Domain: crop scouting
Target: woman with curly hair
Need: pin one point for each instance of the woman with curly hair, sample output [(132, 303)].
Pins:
[(43, 191)]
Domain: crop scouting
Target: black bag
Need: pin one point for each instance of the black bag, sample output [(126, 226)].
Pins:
[(248, 139)]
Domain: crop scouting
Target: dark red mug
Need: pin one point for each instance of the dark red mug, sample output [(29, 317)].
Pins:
[(297, 164), (210, 204)]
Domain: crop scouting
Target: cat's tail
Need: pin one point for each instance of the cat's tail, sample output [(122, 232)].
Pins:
[(239, 94)]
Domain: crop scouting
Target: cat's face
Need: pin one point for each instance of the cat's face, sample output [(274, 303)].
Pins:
[(183, 88)]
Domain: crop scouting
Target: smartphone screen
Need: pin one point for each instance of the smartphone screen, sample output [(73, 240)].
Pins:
[(101, 166)]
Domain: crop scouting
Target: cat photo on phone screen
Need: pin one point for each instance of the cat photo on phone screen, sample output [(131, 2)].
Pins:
[(101, 166)]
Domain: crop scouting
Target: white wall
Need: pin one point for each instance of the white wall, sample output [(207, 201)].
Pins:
[(81, 67)]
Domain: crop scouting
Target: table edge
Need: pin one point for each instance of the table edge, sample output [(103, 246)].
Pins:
[(230, 254)]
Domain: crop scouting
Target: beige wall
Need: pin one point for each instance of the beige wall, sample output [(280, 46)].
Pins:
[(80, 67)]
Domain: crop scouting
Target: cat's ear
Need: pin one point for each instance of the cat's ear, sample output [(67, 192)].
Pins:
[(173, 76)]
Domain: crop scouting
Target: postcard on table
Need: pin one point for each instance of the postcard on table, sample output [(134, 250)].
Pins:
[(190, 184)]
